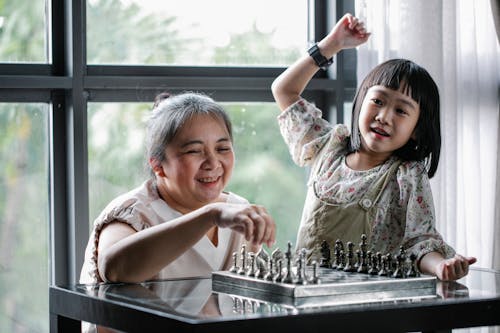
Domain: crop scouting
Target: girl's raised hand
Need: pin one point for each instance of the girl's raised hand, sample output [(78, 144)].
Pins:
[(253, 221), (349, 32)]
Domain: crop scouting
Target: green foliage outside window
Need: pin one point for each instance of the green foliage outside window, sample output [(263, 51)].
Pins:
[(264, 173)]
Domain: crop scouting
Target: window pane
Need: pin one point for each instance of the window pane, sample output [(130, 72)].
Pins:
[(264, 172), (24, 218), (196, 33), (22, 31)]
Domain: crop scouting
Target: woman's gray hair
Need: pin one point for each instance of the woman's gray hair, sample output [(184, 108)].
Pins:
[(170, 113)]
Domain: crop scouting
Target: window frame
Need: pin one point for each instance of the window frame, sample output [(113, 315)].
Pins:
[(68, 83)]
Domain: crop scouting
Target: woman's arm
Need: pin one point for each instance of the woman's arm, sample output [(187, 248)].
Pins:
[(349, 32), (451, 269), (128, 256)]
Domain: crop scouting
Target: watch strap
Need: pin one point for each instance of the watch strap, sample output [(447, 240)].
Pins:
[(318, 58)]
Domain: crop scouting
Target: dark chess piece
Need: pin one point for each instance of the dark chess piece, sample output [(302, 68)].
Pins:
[(363, 264), (243, 258), (336, 252), (289, 274), (349, 265), (358, 259), (399, 271), (325, 254), (412, 269), (234, 268), (373, 260), (383, 265), (362, 245), (389, 264)]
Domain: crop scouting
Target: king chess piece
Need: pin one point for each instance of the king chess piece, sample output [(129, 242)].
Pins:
[(289, 278)]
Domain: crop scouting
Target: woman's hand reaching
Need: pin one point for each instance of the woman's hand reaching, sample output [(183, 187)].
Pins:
[(253, 221)]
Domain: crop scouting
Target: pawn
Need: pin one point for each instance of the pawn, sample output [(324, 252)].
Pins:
[(389, 264), (337, 253), (399, 271), (314, 279), (373, 265), (412, 270), (349, 266), (364, 261), (383, 266), (234, 268)]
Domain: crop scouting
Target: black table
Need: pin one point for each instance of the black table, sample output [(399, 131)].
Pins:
[(190, 305)]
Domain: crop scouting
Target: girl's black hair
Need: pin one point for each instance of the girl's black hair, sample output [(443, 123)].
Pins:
[(417, 83)]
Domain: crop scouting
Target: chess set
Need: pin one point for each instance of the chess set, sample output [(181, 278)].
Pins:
[(353, 276)]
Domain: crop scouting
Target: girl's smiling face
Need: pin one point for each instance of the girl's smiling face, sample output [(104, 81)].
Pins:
[(387, 120), (198, 165)]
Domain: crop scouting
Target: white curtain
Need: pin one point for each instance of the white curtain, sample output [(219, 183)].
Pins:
[(457, 43)]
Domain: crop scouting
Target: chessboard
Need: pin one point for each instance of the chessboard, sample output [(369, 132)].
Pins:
[(262, 277), (336, 287)]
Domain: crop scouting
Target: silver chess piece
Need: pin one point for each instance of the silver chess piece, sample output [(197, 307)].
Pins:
[(234, 268)]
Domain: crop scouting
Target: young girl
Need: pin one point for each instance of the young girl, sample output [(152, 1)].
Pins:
[(179, 223), (374, 181)]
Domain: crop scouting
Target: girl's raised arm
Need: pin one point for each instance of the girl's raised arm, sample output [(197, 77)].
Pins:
[(349, 32)]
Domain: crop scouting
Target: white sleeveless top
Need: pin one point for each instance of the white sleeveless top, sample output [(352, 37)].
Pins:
[(142, 208)]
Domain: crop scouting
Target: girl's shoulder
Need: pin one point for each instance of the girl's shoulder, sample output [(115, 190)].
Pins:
[(416, 169)]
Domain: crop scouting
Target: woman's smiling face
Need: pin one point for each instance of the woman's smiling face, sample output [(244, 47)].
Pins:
[(198, 165), (387, 120)]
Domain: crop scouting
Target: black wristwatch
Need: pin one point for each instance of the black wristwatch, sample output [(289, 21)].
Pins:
[(319, 59)]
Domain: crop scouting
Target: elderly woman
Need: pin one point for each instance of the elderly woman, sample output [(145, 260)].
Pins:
[(181, 222)]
